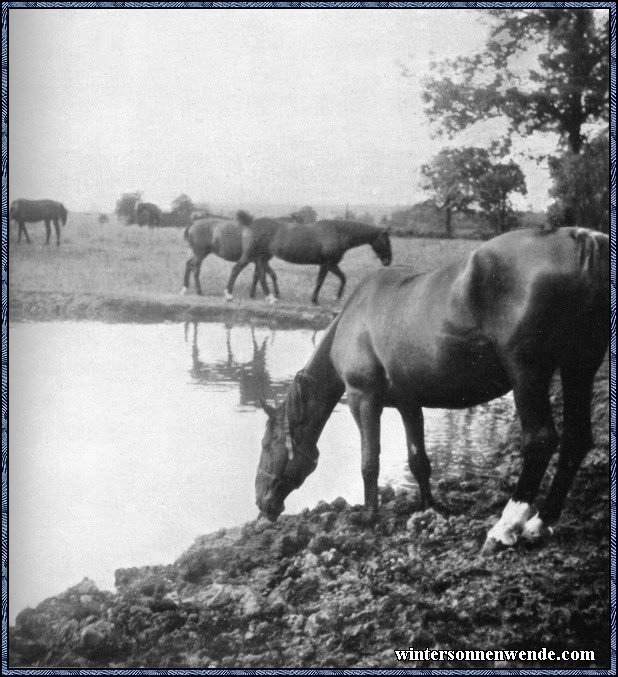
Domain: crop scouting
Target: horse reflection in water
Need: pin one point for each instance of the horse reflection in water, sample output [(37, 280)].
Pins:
[(254, 381)]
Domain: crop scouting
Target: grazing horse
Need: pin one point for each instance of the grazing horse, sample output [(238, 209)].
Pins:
[(148, 214), (223, 238), (32, 211), (522, 306), (322, 243)]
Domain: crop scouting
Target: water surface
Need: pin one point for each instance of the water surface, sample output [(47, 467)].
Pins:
[(127, 441)]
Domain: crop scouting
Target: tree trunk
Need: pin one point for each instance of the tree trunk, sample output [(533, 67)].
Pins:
[(448, 222)]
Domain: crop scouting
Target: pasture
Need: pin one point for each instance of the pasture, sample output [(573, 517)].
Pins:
[(317, 588), (115, 260)]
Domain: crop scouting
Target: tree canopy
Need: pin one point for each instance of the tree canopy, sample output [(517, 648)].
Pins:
[(566, 88), (459, 178), (126, 206)]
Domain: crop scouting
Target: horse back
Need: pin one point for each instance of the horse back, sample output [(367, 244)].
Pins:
[(537, 292), (446, 338), (32, 211), (220, 237)]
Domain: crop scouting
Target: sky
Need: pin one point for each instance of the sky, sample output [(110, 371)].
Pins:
[(233, 106)]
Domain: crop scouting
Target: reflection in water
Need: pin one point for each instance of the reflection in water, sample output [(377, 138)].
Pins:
[(252, 376), (144, 438)]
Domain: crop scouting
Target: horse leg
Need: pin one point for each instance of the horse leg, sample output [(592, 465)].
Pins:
[(539, 442), (259, 274), (242, 263), (185, 281), (273, 277), (339, 273), (366, 409), (420, 466), (272, 298), (197, 266), (48, 230), (319, 282), (57, 229), (576, 442)]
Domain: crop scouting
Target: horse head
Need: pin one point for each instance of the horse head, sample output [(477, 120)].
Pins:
[(382, 247), (286, 459)]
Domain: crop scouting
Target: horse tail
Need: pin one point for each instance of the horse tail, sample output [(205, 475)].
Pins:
[(186, 233), (244, 218), (593, 254), (13, 210)]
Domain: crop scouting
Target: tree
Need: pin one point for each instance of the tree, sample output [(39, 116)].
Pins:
[(182, 208), (565, 90), (126, 206), (493, 191), (580, 186), (452, 176)]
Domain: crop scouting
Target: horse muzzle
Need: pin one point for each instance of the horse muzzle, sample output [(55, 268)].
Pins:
[(270, 509), (387, 260)]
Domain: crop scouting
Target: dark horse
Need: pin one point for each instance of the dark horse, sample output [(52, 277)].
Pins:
[(32, 211), (223, 238), (520, 307), (147, 214), (322, 243)]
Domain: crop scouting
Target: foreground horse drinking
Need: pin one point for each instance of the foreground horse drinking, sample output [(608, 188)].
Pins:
[(223, 238), (322, 243), (520, 307), (32, 211)]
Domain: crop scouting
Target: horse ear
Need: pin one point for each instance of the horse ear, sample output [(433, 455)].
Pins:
[(270, 411)]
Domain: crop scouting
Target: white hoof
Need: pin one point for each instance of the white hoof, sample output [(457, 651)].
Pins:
[(508, 528), (536, 529), (271, 299), (184, 291), (228, 296)]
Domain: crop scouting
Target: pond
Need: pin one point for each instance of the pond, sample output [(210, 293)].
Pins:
[(127, 441)]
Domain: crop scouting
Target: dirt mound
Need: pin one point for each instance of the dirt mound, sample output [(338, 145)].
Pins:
[(323, 589)]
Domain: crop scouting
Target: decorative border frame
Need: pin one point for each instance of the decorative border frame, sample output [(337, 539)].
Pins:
[(4, 20)]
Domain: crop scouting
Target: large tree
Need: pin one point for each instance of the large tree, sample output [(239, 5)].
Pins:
[(581, 187), (494, 189), (566, 88), (451, 178), (126, 206)]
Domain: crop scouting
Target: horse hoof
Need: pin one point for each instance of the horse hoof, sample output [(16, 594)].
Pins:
[(228, 296), (492, 545), (184, 291), (272, 299), (535, 529)]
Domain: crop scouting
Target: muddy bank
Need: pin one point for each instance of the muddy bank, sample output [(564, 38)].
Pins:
[(145, 308), (321, 589)]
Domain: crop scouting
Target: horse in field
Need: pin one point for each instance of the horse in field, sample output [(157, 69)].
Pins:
[(223, 238), (32, 211), (520, 307), (148, 214), (322, 243)]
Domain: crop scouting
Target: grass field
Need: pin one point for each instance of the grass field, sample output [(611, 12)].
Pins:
[(117, 260)]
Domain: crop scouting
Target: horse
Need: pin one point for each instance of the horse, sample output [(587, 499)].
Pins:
[(520, 307), (32, 211), (148, 214), (322, 243), (223, 238)]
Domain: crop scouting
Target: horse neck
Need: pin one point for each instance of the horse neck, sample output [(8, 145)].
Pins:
[(319, 388), (358, 233)]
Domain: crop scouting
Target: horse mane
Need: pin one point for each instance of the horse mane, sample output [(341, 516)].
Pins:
[(297, 396), (244, 218)]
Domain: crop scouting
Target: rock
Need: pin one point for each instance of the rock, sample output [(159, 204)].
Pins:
[(321, 542), (316, 624), (86, 587), (339, 504), (99, 641)]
